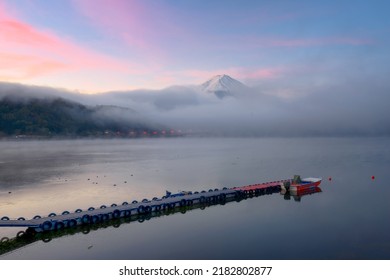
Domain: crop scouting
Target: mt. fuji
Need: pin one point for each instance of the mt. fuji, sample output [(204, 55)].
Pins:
[(223, 86)]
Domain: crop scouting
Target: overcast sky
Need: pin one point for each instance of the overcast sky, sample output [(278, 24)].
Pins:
[(285, 48)]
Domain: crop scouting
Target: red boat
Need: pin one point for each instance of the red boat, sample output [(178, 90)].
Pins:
[(298, 185)]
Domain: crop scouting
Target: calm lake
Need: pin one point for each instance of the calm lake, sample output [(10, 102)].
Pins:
[(349, 219)]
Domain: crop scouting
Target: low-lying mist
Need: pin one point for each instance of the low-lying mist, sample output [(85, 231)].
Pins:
[(340, 110)]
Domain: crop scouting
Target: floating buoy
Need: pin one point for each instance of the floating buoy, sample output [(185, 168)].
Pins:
[(59, 225), (330, 178), (47, 225), (372, 177), (126, 213), (72, 223), (141, 209), (95, 219), (116, 214), (86, 219)]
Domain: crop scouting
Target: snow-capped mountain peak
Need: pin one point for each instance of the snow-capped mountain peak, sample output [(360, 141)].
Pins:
[(222, 86)]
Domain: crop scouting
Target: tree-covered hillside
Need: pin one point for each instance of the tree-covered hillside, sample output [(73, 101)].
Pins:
[(60, 117)]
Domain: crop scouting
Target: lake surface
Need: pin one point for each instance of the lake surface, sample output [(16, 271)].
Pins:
[(349, 219)]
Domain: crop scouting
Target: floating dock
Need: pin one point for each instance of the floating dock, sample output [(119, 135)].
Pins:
[(138, 209), (25, 238)]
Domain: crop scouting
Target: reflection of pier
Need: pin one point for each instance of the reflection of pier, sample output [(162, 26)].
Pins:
[(24, 238), (169, 202), (297, 194)]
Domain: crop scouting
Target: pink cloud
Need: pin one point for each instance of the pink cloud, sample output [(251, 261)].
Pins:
[(117, 17), (27, 52), (142, 27), (17, 67)]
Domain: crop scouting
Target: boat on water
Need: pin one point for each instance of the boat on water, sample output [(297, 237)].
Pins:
[(300, 185)]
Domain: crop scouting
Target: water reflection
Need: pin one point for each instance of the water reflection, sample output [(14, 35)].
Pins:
[(297, 195), (24, 238)]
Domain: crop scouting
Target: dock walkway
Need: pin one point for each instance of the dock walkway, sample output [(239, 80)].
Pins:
[(114, 211)]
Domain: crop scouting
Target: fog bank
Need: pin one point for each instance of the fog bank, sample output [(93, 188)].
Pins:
[(338, 110)]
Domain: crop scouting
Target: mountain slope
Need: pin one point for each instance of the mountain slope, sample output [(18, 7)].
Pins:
[(223, 86)]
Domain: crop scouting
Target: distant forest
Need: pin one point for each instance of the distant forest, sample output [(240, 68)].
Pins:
[(60, 117)]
